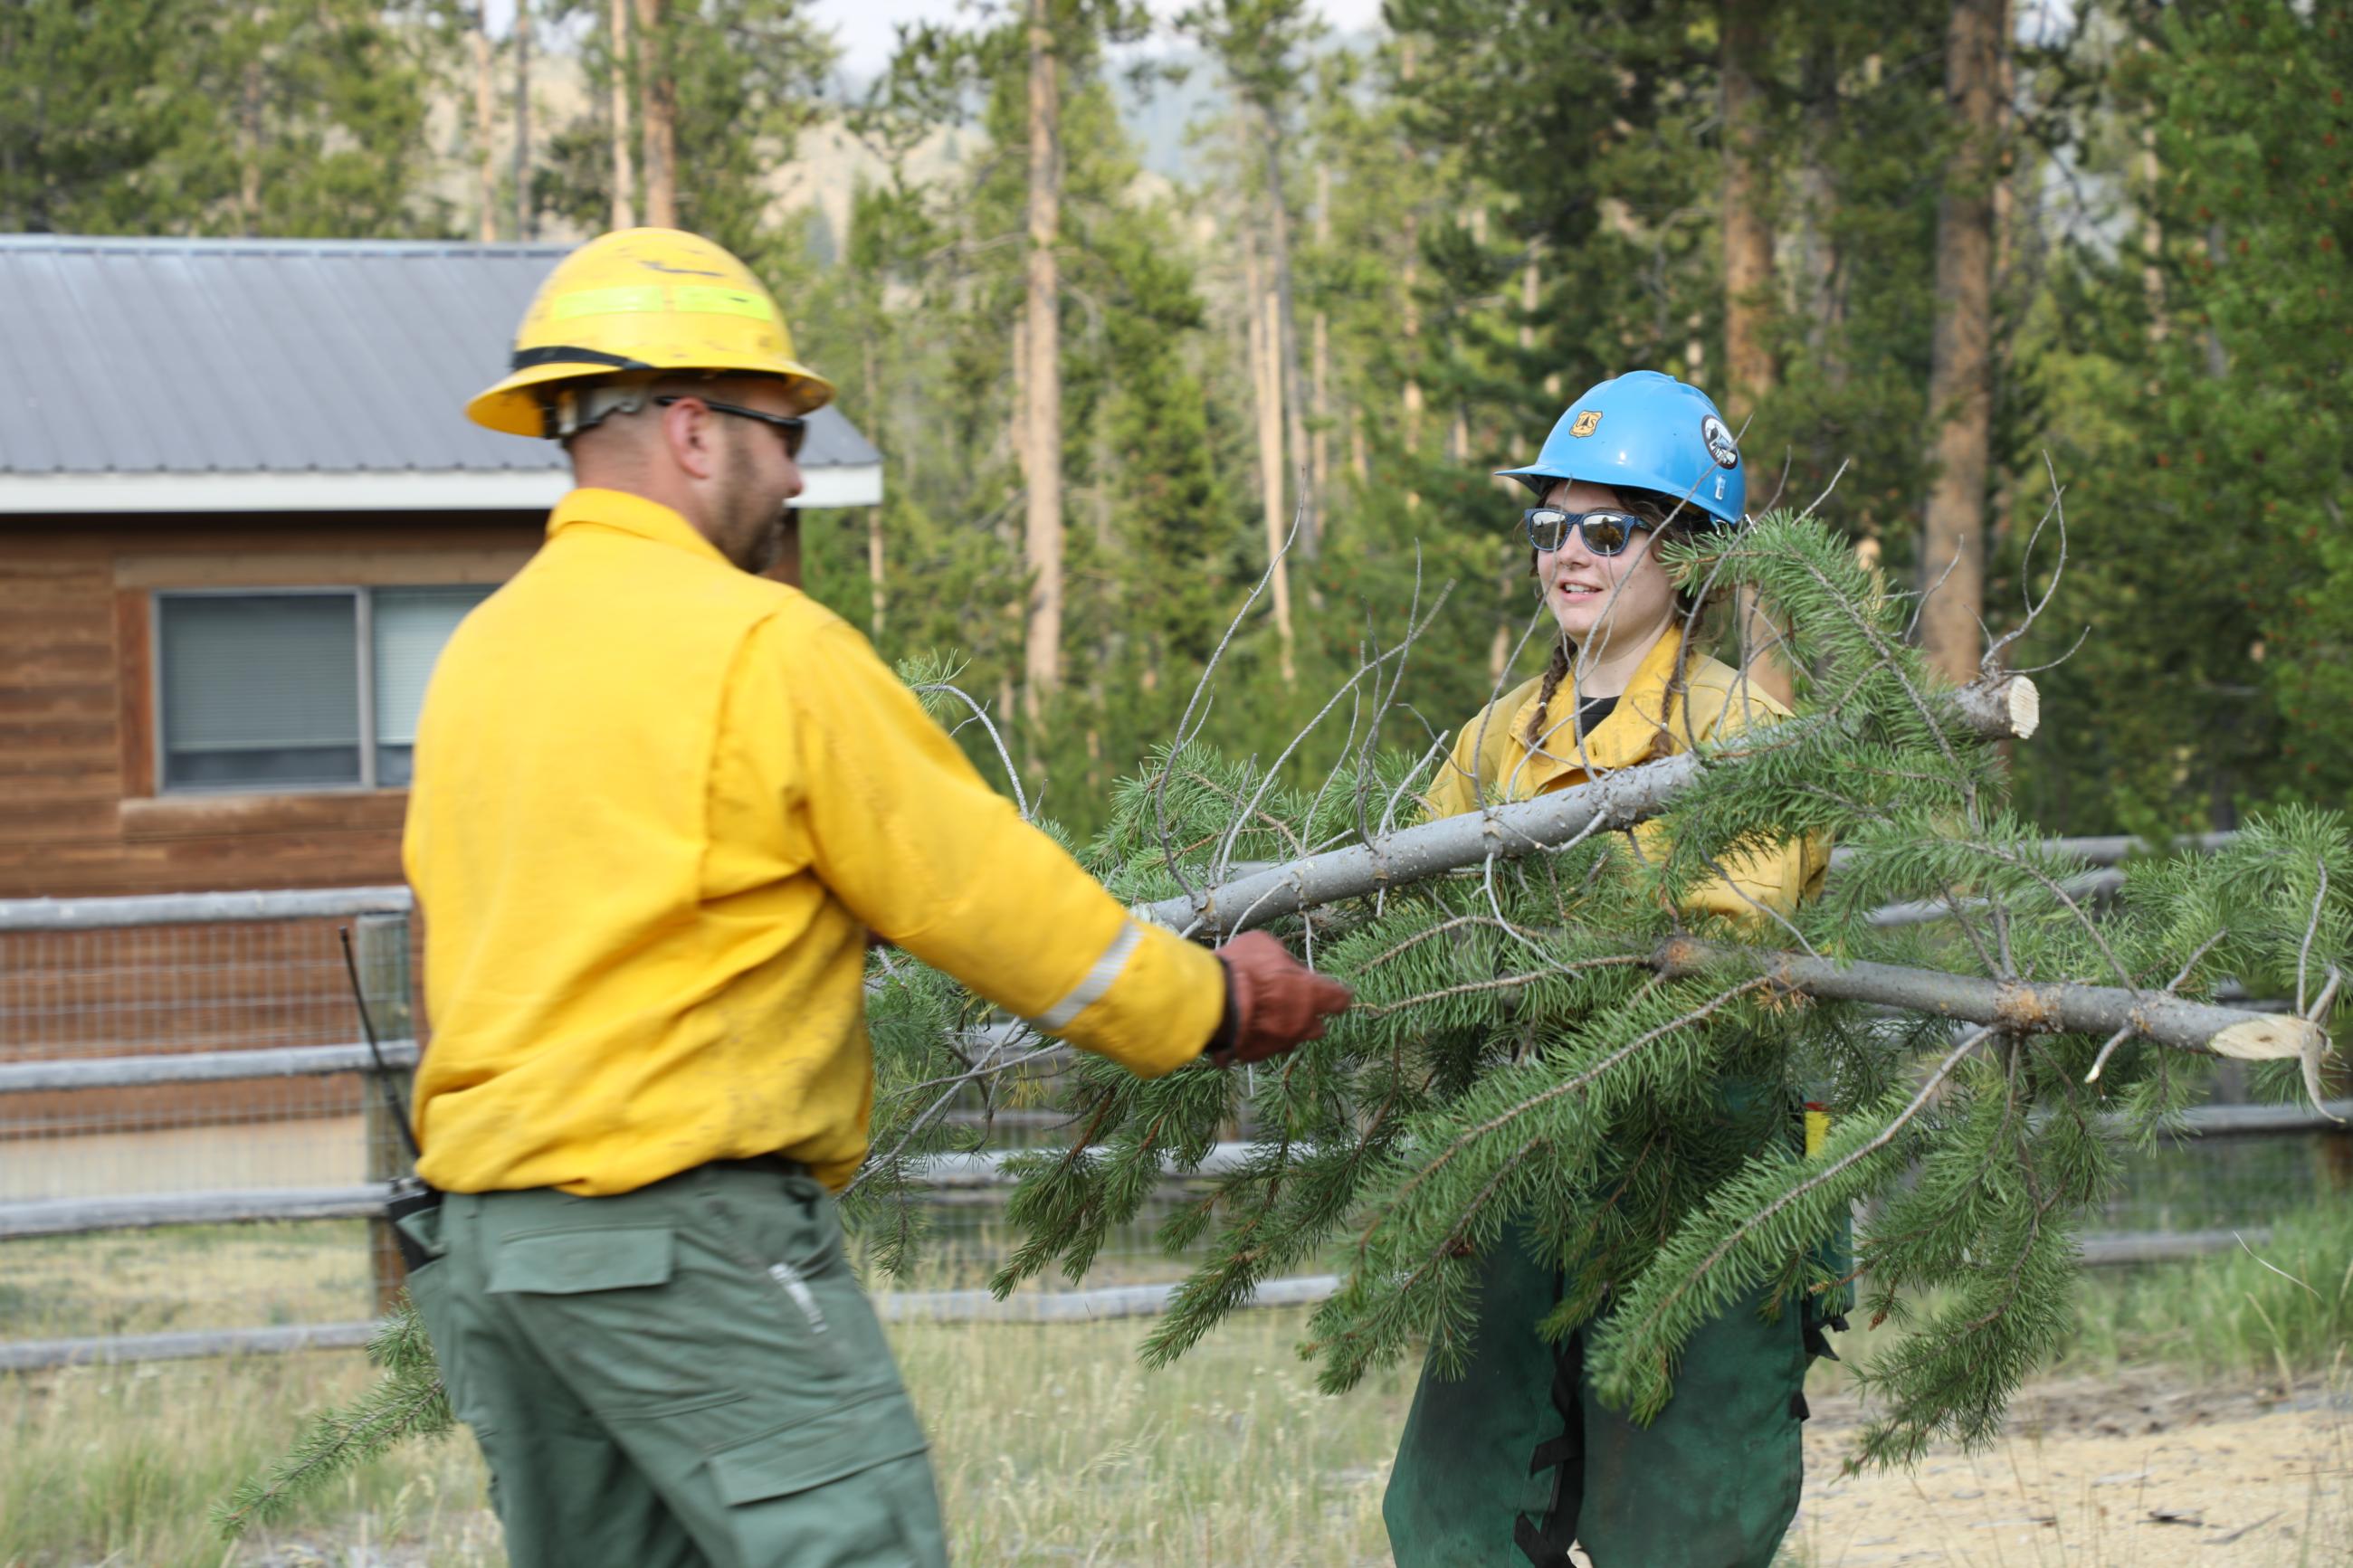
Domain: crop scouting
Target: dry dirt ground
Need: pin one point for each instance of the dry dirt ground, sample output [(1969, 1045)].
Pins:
[(2128, 1472)]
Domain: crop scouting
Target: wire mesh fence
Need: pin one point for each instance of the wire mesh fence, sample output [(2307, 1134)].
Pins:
[(193, 1151)]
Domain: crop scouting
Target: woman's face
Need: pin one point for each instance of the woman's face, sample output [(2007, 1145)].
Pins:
[(1618, 602)]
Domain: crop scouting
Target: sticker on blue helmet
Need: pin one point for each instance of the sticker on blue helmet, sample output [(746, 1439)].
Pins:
[(1719, 443), (1587, 423)]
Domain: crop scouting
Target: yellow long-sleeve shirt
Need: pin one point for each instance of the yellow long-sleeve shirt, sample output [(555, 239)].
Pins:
[(1492, 761), (658, 804)]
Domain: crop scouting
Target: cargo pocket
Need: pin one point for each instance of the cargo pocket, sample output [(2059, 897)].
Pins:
[(575, 1262), (596, 1304), (849, 1489)]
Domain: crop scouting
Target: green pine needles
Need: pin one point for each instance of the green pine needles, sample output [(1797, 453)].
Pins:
[(407, 1403), (1540, 1058), (1521, 1068)]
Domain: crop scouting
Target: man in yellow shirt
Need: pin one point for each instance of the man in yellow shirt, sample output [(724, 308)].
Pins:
[(660, 802)]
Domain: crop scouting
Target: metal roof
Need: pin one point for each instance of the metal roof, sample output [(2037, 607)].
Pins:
[(187, 357)]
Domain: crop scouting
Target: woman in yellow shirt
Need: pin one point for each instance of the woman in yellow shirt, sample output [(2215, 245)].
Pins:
[(1513, 1462)]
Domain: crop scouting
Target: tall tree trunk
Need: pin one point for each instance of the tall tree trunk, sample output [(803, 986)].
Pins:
[(2152, 229), (625, 162), (1749, 371), (526, 223), (1041, 442), (249, 184), (1319, 440), (486, 114), (1264, 323), (1821, 299), (1960, 361), (879, 598), (657, 87), (1291, 385), (1409, 320)]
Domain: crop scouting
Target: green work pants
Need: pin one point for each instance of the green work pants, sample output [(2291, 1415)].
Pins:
[(1505, 1466), (686, 1374)]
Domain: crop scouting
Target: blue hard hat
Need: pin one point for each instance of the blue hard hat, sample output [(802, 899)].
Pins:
[(1646, 430)]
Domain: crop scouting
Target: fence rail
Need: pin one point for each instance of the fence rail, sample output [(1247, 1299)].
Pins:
[(144, 1004)]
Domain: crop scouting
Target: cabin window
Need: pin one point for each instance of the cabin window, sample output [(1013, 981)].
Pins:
[(296, 689)]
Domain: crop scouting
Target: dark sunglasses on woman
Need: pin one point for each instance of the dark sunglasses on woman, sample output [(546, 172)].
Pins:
[(1605, 532)]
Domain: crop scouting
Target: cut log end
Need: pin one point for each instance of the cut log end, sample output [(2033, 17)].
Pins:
[(2279, 1036), (2025, 708), (2001, 705), (2269, 1038)]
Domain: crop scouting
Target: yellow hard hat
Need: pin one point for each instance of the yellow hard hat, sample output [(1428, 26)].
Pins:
[(643, 300)]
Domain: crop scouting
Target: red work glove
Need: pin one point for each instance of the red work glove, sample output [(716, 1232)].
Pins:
[(1272, 1001)]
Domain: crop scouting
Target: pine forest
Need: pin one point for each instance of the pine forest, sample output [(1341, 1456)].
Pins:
[(1192, 340)]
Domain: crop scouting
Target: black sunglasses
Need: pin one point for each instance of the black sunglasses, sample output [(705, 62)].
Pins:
[(1605, 532), (794, 428)]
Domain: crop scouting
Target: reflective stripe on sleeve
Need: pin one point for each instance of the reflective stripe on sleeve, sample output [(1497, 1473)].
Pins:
[(1097, 981)]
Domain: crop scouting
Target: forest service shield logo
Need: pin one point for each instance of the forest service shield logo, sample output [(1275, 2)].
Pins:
[(1587, 423), (1719, 442)]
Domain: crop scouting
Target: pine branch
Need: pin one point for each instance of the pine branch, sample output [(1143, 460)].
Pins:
[(2017, 1007), (409, 1402), (2004, 706)]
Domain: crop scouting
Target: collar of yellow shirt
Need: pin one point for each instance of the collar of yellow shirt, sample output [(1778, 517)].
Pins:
[(1639, 727), (589, 507)]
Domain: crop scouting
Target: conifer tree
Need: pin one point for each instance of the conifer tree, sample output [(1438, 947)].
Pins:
[(1541, 1043)]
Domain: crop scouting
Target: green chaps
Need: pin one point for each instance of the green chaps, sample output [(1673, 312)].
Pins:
[(1507, 1467)]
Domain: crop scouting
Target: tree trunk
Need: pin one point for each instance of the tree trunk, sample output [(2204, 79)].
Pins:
[(1319, 440), (624, 168), (1409, 317), (486, 113), (1292, 383), (1821, 299), (525, 224), (1749, 371), (1263, 314), (879, 599), (2005, 706), (2017, 1008), (1751, 374), (249, 184), (1041, 442), (1961, 392), (657, 86)]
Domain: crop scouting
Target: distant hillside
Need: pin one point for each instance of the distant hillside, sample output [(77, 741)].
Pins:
[(1162, 116)]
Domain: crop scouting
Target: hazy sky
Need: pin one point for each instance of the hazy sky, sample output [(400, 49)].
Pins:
[(866, 29)]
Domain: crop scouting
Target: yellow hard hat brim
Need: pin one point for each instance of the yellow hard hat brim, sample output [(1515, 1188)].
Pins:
[(514, 405)]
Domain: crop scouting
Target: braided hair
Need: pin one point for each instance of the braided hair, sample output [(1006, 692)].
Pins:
[(1669, 518)]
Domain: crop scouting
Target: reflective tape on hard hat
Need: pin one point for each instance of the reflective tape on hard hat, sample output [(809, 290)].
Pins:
[(712, 302), (694, 299)]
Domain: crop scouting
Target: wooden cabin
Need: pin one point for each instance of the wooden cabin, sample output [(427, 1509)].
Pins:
[(240, 509)]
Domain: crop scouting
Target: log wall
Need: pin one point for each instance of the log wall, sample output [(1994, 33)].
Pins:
[(78, 812)]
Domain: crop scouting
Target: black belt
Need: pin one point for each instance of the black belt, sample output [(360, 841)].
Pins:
[(767, 1164)]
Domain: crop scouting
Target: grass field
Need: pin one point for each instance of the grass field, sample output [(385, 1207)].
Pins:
[(1052, 1444)]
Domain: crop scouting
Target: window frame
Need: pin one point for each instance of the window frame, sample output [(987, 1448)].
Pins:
[(363, 597)]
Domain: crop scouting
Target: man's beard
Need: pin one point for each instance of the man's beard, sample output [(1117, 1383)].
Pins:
[(756, 527), (766, 546)]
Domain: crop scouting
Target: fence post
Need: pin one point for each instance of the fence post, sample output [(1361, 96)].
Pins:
[(2337, 1147), (380, 944)]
